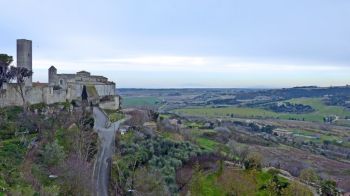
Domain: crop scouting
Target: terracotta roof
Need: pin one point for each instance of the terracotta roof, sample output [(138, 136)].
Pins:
[(38, 84)]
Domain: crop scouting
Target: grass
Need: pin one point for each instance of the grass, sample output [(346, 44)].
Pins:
[(208, 186), (11, 112), (12, 153), (321, 110), (207, 143), (139, 101), (241, 182), (318, 137), (91, 90), (114, 115)]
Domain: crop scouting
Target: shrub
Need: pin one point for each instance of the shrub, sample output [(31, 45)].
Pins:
[(328, 188), (52, 154), (253, 161), (309, 176)]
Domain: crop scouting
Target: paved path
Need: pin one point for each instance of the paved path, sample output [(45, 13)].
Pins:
[(106, 132)]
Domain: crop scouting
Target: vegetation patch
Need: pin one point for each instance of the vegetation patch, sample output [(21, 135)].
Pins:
[(321, 111), (235, 181), (158, 155), (207, 143), (114, 115), (139, 101)]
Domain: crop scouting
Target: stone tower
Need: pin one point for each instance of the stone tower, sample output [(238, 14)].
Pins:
[(52, 75), (24, 57)]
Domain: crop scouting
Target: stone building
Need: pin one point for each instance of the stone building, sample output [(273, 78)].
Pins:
[(60, 88)]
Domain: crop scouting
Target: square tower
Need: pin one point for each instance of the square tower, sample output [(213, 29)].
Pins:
[(24, 57)]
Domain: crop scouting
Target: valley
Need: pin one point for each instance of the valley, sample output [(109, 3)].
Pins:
[(292, 129)]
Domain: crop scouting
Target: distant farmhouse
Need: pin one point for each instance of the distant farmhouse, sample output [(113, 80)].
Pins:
[(61, 87)]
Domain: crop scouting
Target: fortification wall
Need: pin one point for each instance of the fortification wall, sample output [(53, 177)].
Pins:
[(105, 89), (70, 90), (35, 95), (10, 96), (54, 96), (112, 105)]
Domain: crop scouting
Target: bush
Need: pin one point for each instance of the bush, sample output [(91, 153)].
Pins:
[(329, 188), (52, 154), (309, 176), (160, 154), (253, 161), (297, 189)]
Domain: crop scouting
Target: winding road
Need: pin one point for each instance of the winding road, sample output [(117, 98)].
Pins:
[(106, 132)]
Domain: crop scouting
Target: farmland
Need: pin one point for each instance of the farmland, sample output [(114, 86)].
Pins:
[(139, 101), (321, 110), (291, 129)]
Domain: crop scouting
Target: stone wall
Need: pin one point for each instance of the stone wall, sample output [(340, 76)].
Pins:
[(54, 96), (105, 90), (9, 96), (112, 105)]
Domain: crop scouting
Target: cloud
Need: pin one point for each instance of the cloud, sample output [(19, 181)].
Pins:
[(200, 64)]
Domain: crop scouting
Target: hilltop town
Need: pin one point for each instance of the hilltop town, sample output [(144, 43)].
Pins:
[(60, 87)]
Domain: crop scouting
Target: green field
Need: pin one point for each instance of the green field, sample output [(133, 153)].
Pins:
[(321, 110), (207, 143), (139, 101)]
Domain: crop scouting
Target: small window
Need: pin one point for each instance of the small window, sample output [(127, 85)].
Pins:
[(61, 82)]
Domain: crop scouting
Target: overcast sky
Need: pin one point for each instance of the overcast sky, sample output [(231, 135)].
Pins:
[(185, 43)]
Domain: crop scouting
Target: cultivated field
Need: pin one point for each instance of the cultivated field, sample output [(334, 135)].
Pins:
[(321, 110), (139, 101)]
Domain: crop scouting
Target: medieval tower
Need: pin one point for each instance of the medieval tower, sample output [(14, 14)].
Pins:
[(52, 75), (24, 57), (60, 88)]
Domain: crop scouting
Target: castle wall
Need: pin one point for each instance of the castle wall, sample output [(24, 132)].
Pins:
[(112, 105), (54, 96), (11, 97), (34, 95), (105, 89), (71, 84)]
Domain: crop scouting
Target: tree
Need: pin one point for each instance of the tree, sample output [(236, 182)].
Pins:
[(253, 161), (238, 150), (198, 184), (21, 74), (5, 61), (148, 182), (53, 154), (77, 177), (296, 189), (309, 176), (276, 186), (329, 188)]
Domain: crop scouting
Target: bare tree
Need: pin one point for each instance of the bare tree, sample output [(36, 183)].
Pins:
[(77, 176), (21, 74)]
